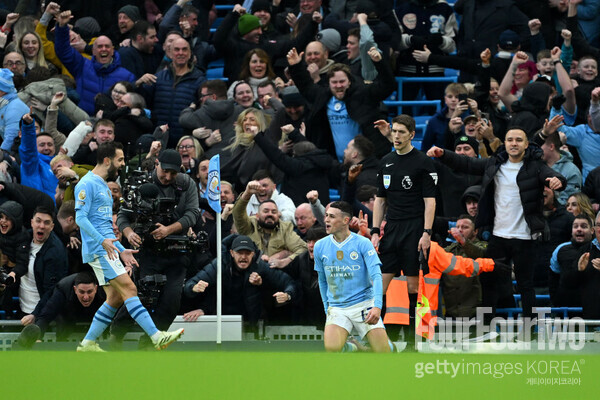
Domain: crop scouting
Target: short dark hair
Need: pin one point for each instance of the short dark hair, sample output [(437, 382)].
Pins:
[(365, 193), (44, 210), (338, 67), (586, 217), (554, 139), (315, 233), (66, 210), (140, 28), (343, 206), (262, 174), (108, 149), (354, 32), (268, 82), (189, 9), (216, 87), (466, 216), (405, 120), (267, 201), (364, 146), (303, 147), (84, 277), (543, 54), (45, 134)]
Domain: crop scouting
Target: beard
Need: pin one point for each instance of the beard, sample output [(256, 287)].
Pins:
[(268, 224), (112, 173)]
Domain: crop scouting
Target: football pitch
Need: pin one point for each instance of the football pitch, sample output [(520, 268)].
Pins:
[(296, 370)]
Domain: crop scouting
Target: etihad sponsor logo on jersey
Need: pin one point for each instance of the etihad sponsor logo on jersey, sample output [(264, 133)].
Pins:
[(342, 268)]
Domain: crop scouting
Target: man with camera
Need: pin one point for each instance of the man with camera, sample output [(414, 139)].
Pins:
[(177, 192)]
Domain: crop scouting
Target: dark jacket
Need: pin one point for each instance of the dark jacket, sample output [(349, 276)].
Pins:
[(591, 187), (301, 174), (228, 42), (302, 269), (560, 223), (531, 180), (565, 288), (451, 187), (435, 133), (590, 284), (482, 23), (168, 97), (50, 266), (531, 111), (15, 244), (140, 63), (91, 76), (64, 307), (362, 102), (28, 197), (239, 296), (214, 114)]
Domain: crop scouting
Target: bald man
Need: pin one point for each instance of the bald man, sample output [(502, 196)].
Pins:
[(91, 76)]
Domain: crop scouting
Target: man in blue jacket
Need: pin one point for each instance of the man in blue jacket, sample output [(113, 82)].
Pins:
[(92, 76), (36, 152)]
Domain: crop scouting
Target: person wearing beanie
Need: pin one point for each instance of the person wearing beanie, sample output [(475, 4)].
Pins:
[(91, 76), (127, 16), (14, 240), (11, 109), (234, 45), (87, 27), (264, 11)]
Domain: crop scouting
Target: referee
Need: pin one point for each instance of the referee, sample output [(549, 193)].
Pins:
[(406, 184)]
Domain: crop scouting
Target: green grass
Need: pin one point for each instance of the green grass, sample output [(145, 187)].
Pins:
[(286, 375)]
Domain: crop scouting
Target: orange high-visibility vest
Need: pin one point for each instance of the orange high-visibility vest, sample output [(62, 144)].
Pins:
[(396, 302), (441, 262)]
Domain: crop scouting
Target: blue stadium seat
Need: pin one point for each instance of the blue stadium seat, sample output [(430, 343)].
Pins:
[(334, 195), (214, 73)]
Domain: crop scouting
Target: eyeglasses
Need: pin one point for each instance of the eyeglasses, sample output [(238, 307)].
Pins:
[(186, 147), (204, 95), (9, 63)]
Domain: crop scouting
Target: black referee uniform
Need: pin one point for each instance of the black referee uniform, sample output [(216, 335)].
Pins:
[(404, 181)]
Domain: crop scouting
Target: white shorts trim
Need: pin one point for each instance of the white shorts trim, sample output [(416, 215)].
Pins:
[(353, 317), (106, 269)]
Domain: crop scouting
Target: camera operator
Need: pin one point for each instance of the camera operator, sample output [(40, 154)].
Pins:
[(155, 257)]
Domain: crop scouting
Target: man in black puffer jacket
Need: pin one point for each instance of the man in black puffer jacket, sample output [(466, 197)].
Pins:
[(245, 276), (511, 202)]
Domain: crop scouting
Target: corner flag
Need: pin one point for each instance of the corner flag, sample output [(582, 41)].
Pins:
[(213, 185)]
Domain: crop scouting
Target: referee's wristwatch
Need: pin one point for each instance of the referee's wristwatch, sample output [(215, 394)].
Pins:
[(428, 231)]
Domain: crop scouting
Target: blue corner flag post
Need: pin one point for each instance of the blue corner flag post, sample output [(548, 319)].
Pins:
[(213, 186)]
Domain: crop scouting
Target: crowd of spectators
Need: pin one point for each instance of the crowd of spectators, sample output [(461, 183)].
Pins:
[(297, 112)]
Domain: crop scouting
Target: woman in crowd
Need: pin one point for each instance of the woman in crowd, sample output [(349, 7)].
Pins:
[(191, 152), (30, 46), (579, 203), (256, 69), (242, 158), (107, 103)]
